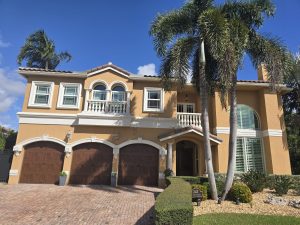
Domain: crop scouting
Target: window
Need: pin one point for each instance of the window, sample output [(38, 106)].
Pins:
[(69, 95), (186, 107), (41, 94), (118, 94), (153, 99), (247, 118), (99, 92), (249, 154)]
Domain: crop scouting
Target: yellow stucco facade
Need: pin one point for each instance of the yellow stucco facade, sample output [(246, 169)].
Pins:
[(70, 127)]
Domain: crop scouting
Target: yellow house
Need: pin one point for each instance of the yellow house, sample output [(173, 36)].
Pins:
[(108, 122)]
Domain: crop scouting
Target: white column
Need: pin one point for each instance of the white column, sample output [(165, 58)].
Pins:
[(108, 99), (128, 103), (87, 95), (170, 156)]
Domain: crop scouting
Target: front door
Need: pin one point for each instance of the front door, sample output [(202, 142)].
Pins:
[(186, 159)]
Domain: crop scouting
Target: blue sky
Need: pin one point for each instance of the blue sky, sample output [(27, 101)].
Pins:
[(96, 32)]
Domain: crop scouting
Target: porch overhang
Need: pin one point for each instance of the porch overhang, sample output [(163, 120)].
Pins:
[(185, 131)]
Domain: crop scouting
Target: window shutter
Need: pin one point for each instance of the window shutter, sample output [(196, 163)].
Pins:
[(254, 154), (240, 165)]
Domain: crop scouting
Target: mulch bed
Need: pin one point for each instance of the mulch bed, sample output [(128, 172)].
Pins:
[(258, 206)]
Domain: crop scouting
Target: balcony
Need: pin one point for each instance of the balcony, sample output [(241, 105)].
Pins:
[(189, 119), (111, 107)]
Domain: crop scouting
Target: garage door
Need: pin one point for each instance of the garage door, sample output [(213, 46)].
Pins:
[(138, 165), (42, 163), (91, 164)]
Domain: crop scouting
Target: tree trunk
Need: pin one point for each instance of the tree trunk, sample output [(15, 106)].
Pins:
[(47, 65), (205, 124), (232, 140)]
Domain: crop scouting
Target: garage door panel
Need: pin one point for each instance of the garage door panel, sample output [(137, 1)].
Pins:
[(42, 163), (91, 164), (138, 165)]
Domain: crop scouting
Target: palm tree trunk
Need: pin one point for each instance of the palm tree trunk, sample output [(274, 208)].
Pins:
[(205, 124), (47, 65), (232, 140)]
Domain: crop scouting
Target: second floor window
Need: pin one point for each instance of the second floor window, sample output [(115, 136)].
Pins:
[(69, 95), (153, 99), (118, 94), (99, 92), (41, 94)]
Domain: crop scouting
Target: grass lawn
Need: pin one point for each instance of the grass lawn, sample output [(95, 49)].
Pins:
[(244, 219)]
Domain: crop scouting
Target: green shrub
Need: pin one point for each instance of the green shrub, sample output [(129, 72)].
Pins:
[(63, 174), (174, 205), (241, 191), (193, 179), (281, 183), (220, 183), (255, 180), (203, 189), (168, 173)]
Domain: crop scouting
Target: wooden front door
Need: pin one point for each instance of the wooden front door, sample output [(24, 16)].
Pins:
[(138, 165), (91, 164), (42, 163)]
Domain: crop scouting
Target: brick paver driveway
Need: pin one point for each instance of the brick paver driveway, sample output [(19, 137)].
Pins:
[(50, 204)]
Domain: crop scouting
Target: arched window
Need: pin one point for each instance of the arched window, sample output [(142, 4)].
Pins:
[(118, 93), (99, 92), (247, 118), (249, 155)]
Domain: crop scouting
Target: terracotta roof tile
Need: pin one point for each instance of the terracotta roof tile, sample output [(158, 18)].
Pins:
[(43, 70), (108, 65)]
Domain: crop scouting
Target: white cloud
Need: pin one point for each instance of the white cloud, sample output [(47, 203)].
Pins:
[(11, 87), (148, 69)]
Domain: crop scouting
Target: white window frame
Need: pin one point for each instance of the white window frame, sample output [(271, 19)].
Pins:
[(185, 104), (145, 105), (34, 85), (62, 86)]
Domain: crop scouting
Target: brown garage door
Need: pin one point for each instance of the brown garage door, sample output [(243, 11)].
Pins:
[(138, 165), (91, 164), (42, 163)]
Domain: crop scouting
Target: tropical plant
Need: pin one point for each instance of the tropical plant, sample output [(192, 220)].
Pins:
[(255, 180), (241, 192), (239, 22), (281, 183), (291, 106), (179, 41), (39, 51)]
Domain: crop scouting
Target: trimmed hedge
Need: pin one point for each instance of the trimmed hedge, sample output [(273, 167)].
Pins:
[(202, 188), (194, 179), (174, 205)]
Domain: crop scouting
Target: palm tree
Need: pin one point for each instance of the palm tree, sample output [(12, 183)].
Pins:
[(229, 31), (179, 42), (243, 19), (39, 51)]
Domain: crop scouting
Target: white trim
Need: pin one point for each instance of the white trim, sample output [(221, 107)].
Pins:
[(92, 139), (118, 82), (186, 132), (33, 93), (13, 172), (62, 86), (251, 133), (100, 82), (145, 100), (272, 133), (93, 119), (162, 150), (47, 118), (105, 69)]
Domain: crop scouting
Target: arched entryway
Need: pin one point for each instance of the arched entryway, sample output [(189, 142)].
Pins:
[(138, 165), (42, 162), (91, 164), (186, 159)]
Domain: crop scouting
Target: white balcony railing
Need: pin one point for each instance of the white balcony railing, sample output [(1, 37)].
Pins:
[(99, 106), (189, 119)]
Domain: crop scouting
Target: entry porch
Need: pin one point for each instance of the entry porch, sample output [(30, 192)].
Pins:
[(185, 152)]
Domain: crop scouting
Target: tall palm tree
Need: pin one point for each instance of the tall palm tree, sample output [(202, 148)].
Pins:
[(39, 51), (179, 42), (229, 31)]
